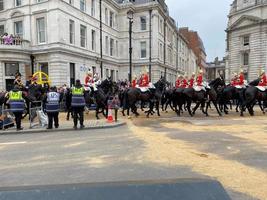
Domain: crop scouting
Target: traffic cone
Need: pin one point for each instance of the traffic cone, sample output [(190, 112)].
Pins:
[(110, 117)]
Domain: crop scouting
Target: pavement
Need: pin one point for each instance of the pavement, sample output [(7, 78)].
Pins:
[(229, 149), (65, 125)]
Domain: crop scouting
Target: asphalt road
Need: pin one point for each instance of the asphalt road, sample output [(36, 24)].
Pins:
[(230, 149)]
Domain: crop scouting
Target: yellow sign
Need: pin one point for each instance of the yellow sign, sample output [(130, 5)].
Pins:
[(41, 78)]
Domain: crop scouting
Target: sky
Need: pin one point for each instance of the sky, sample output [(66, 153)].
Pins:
[(207, 17)]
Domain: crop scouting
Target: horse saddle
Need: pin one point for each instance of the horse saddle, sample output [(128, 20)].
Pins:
[(239, 86), (261, 88), (199, 88)]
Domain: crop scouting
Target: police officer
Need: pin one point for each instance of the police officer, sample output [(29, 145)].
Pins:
[(77, 104), (52, 101), (17, 105)]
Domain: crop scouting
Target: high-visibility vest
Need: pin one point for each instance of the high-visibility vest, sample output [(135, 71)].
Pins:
[(16, 101), (77, 99), (52, 104)]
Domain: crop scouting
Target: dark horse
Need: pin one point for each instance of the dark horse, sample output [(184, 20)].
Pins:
[(251, 95), (100, 97), (153, 97), (200, 97)]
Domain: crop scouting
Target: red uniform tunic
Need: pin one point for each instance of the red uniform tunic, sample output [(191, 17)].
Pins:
[(241, 79), (263, 81), (184, 83), (177, 83), (144, 81), (191, 82), (89, 80), (234, 82), (199, 80), (134, 82)]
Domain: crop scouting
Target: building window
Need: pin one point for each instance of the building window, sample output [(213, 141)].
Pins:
[(246, 58), (1, 4), (41, 30), (111, 47), (72, 74), (246, 40), (112, 75), (2, 29), (18, 2), (143, 49), (44, 68), (71, 2), (72, 29), (11, 69), (82, 5), (106, 15), (117, 48), (93, 8), (107, 46), (107, 73), (18, 26), (94, 70), (83, 36), (93, 40), (111, 17), (143, 23)]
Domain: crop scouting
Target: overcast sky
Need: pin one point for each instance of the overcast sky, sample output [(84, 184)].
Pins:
[(208, 17)]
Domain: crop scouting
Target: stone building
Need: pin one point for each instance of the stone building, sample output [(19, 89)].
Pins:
[(63, 39), (196, 44), (247, 38), (215, 69)]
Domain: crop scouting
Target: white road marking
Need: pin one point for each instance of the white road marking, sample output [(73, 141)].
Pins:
[(13, 143)]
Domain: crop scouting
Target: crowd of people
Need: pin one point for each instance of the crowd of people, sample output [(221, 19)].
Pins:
[(11, 39), (54, 95)]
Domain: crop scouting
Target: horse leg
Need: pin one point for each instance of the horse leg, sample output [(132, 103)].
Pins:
[(261, 107), (96, 112), (189, 108), (216, 106), (157, 107), (195, 108)]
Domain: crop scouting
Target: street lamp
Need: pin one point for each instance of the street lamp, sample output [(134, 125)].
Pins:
[(130, 14)]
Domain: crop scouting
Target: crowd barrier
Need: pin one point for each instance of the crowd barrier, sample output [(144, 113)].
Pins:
[(7, 117), (35, 109)]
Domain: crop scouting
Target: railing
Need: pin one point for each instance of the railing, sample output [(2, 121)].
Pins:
[(13, 43)]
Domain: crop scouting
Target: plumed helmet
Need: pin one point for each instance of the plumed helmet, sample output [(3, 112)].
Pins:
[(201, 71), (241, 71)]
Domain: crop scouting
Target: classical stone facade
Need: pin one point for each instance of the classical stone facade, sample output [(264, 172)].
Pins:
[(215, 69), (62, 38), (247, 38)]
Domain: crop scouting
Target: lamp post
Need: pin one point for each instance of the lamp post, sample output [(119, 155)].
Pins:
[(130, 17)]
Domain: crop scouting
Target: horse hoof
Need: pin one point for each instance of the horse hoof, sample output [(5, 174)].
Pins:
[(129, 117)]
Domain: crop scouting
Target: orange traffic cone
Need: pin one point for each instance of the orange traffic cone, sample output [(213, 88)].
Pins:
[(110, 117)]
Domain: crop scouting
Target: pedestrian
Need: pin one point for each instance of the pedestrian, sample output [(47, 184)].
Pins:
[(52, 102), (78, 104), (17, 105)]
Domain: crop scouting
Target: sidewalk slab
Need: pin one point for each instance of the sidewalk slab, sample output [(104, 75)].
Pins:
[(66, 126)]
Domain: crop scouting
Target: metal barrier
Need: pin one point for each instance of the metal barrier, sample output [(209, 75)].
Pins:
[(6, 114), (33, 113)]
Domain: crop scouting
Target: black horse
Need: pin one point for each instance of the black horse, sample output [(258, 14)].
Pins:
[(252, 95), (152, 97), (106, 90)]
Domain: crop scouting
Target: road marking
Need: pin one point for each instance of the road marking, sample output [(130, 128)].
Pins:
[(13, 143)]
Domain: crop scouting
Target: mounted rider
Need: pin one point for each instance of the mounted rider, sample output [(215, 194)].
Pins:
[(184, 82), (198, 85), (134, 82), (234, 80), (89, 79), (263, 81), (144, 84), (192, 80), (240, 84), (178, 81)]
